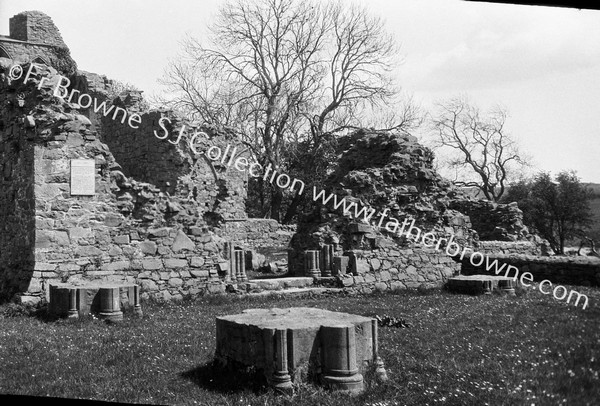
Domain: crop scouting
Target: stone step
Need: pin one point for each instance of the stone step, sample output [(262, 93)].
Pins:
[(280, 283), (296, 291), (481, 284), (328, 281)]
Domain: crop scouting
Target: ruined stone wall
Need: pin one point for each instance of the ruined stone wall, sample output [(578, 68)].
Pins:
[(397, 268), (157, 152), (22, 53), (494, 221), (127, 230), (563, 270), (509, 247), (219, 189), (259, 234), (35, 26), (17, 202), (33, 36)]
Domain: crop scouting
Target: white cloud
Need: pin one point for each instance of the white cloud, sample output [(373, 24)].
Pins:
[(501, 51)]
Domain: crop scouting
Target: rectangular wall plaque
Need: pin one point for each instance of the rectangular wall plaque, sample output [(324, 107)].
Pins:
[(83, 177)]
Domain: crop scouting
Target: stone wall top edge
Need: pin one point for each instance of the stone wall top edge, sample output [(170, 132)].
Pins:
[(505, 243), (5, 39), (544, 259)]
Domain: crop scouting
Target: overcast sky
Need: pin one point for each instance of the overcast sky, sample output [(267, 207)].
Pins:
[(541, 63)]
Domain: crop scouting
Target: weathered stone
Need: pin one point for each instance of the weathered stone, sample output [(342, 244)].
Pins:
[(148, 247), (152, 264), (348, 280), (60, 237), (30, 300), (144, 275), (41, 266), (76, 233), (340, 265), (291, 336), (182, 242), (148, 285), (158, 232), (113, 220), (68, 267), (380, 286), (116, 266), (375, 264), (360, 267), (121, 239), (87, 251), (211, 247), (196, 262), (359, 228), (196, 231), (199, 274), (478, 284), (29, 122), (369, 278), (115, 251), (175, 282), (175, 263)]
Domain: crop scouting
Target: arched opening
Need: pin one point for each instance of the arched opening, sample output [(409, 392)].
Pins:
[(4, 53), (40, 60)]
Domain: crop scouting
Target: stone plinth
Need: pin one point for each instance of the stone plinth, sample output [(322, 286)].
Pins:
[(478, 284), (108, 300), (312, 259), (301, 344)]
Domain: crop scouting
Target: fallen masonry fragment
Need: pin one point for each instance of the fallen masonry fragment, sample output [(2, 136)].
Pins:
[(482, 284), (107, 300), (302, 344)]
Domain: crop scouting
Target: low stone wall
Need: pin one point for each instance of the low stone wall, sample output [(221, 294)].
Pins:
[(493, 221), (509, 247), (259, 233), (166, 262), (265, 237), (391, 269), (564, 270)]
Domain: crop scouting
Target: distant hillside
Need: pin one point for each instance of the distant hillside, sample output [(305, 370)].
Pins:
[(595, 206)]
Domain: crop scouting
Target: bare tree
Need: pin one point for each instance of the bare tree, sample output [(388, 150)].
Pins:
[(479, 147), (282, 71)]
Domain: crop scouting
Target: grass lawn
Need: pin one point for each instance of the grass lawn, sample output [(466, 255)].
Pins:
[(460, 350)]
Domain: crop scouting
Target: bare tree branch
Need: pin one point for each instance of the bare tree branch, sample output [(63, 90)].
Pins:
[(479, 145)]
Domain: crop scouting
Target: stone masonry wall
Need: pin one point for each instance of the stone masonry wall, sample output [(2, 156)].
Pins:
[(217, 188), (508, 247), (127, 231), (35, 26), (33, 35), (216, 191), (265, 237), (493, 221), (563, 270), (397, 268), (257, 234), (17, 204)]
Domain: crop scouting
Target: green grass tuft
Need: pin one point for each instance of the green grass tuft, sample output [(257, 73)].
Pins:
[(458, 350)]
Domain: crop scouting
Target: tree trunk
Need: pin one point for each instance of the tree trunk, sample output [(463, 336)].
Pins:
[(276, 200), (292, 209), (562, 246)]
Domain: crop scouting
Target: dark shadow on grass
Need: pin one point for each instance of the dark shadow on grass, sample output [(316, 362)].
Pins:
[(213, 376)]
